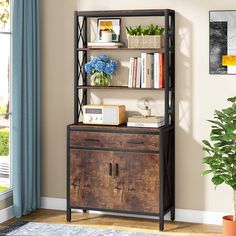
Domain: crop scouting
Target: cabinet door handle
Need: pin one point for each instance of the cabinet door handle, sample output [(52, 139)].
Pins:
[(135, 142), (110, 169), (117, 169), (91, 140)]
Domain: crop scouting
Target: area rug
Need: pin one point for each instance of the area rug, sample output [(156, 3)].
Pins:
[(23, 228)]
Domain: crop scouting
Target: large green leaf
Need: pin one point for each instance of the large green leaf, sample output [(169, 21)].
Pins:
[(217, 180)]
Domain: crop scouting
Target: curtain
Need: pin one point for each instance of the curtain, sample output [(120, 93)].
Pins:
[(25, 106)]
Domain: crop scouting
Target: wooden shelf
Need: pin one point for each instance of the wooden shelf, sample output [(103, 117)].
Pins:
[(116, 87), (122, 48), (121, 127)]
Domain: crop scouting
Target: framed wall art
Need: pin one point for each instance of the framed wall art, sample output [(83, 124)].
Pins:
[(112, 24), (222, 42)]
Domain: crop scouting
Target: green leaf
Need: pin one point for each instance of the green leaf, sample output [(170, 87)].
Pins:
[(207, 143), (205, 172), (232, 99), (217, 180)]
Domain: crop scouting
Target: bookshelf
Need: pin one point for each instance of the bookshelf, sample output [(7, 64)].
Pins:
[(131, 150)]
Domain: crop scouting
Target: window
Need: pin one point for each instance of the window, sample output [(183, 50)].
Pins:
[(5, 95)]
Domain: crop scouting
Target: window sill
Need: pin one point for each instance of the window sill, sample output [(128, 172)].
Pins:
[(6, 194)]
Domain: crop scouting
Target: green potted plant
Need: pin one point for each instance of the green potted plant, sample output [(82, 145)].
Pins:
[(144, 36), (221, 157)]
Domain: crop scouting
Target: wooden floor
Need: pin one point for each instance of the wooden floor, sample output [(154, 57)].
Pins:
[(141, 225)]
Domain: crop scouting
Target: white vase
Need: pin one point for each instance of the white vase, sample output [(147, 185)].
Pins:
[(106, 36)]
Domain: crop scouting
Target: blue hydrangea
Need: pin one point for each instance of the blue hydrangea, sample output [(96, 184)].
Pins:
[(94, 61), (109, 69), (104, 58), (100, 66), (88, 67), (114, 63)]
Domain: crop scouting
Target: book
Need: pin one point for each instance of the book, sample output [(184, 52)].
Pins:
[(147, 78), (143, 74), (159, 70), (156, 70), (151, 70), (139, 71), (99, 44), (131, 71), (147, 125), (134, 73), (148, 119)]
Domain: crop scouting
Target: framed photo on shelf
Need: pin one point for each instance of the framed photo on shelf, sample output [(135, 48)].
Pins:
[(112, 24)]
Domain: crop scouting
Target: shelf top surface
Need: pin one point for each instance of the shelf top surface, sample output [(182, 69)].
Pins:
[(132, 13), (115, 87), (117, 128)]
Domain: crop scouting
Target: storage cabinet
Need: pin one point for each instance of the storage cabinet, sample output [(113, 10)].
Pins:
[(119, 168), (114, 180)]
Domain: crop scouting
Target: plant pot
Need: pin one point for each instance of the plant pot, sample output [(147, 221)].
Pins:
[(229, 226), (145, 41)]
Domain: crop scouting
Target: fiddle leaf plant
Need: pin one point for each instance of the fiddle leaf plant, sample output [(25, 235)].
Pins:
[(221, 149)]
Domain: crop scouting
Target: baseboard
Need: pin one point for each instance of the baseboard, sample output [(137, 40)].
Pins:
[(6, 214), (183, 215)]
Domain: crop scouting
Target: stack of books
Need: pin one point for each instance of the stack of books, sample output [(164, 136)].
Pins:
[(100, 44), (149, 121), (146, 71)]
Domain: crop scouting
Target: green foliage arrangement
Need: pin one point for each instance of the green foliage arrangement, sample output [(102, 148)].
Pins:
[(4, 12), (145, 30), (222, 148), (4, 142)]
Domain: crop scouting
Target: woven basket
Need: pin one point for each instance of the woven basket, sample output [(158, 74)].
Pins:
[(146, 41)]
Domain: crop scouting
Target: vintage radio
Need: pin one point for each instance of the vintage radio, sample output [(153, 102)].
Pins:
[(104, 114)]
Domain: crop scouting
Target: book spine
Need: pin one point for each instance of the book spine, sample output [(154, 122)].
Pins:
[(139, 71), (143, 80), (156, 70), (148, 70), (134, 73), (161, 71), (152, 71), (131, 70)]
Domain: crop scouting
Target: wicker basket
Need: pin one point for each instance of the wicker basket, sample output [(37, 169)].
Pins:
[(146, 41)]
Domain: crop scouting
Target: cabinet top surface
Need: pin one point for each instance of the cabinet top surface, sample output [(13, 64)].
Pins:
[(140, 12), (112, 128)]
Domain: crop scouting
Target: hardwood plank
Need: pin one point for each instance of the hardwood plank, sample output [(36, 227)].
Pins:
[(95, 220)]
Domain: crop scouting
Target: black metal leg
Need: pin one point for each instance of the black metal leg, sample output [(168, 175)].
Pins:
[(161, 223), (172, 214), (68, 215), (85, 211)]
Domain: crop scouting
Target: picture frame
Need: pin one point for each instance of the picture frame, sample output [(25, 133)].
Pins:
[(222, 42), (109, 23)]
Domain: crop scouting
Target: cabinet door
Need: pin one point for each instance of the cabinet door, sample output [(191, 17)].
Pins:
[(136, 187), (91, 183)]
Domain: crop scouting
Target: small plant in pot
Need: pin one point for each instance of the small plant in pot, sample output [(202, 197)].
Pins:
[(222, 156)]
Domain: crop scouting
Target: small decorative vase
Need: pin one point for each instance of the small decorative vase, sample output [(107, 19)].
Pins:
[(101, 79)]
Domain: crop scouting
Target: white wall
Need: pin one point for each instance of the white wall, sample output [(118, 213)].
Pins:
[(197, 94)]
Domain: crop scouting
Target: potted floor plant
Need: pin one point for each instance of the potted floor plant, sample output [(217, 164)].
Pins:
[(221, 157)]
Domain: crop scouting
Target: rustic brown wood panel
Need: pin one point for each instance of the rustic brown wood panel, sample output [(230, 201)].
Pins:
[(90, 182), (137, 186), (114, 140)]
